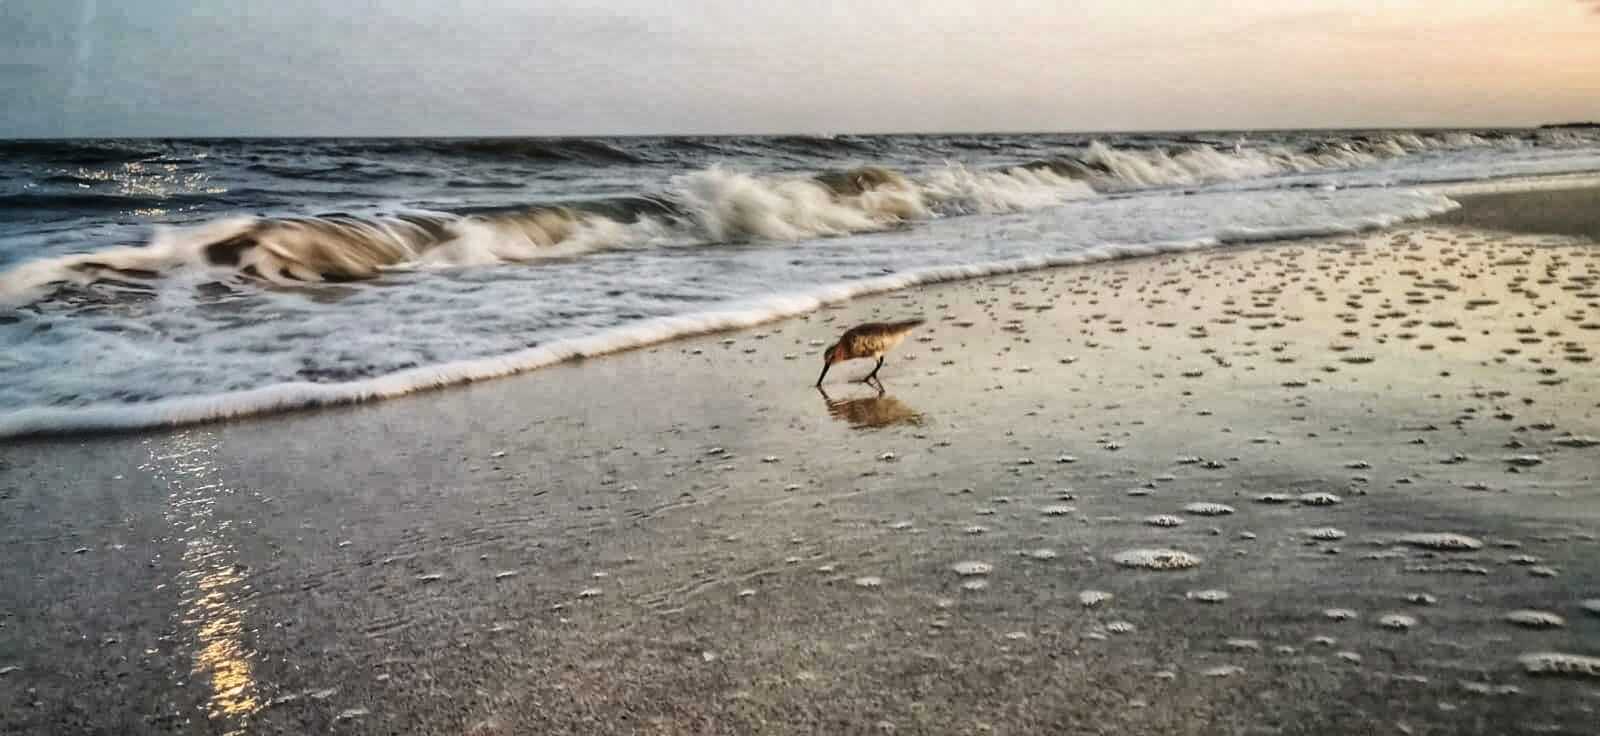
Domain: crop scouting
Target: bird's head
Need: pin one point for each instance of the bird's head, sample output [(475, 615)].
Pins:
[(833, 354)]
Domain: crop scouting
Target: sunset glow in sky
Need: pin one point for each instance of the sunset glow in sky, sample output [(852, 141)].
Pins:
[(503, 67)]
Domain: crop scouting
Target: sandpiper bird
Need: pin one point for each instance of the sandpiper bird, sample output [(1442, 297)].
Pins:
[(870, 340)]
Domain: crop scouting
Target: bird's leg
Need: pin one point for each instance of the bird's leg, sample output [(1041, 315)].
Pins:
[(874, 373)]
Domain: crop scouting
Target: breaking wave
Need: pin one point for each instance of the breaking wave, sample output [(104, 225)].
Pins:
[(711, 206)]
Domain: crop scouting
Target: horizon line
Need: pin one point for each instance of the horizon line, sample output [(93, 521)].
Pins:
[(808, 134)]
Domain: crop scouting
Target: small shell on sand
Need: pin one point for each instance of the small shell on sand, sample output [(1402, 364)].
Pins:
[(1057, 510), (1325, 534), (869, 581), (1121, 627), (1163, 520), (1556, 663), (1449, 568), (1320, 499), (1592, 606), (1092, 598), (1157, 559), (1486, 688), (1227, 670), (1535, 619), (1274, 498), (1444, 542), (1339, 614), (1208, 596), (1208, 509), (1396, 621), (970, 568), (1576, 441)]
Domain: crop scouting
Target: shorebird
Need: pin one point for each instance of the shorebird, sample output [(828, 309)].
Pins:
[(870, 340)]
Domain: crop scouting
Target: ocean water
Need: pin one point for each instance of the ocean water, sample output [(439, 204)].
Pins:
[(151, 282)]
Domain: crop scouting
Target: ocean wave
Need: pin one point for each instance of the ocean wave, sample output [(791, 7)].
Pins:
[(571, 150), (711, 206), (327, 248), (1111, 167), (81, 200), (828, 144), (81, 153)]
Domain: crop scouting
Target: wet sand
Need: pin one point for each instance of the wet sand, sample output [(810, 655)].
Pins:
[(1363, 453), (1574, 212)]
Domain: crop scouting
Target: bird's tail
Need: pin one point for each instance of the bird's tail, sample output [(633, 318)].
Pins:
[(908, 324)]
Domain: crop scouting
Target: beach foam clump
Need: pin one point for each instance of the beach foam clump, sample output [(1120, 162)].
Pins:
[(1157, 559), (1208, 509), (1557, 663), (1442, 541), (1536, 619)]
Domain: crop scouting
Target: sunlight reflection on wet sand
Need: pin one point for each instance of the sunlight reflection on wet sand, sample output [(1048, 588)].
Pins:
[(212, 586)]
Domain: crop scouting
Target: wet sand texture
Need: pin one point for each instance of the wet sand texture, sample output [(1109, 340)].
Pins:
[(1333, 486)]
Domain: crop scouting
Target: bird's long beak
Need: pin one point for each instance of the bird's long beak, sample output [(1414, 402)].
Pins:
[(825, 367)]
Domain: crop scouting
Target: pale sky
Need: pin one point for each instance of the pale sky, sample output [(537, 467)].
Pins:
[(540, 67)]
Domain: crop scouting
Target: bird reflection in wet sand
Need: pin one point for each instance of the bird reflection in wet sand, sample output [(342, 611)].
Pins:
[(877, 410)]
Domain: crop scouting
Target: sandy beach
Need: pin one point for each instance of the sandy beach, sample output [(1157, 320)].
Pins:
[(1366, 466)]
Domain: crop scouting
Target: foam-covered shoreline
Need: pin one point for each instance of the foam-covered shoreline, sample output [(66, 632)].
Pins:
[(290, 396), (303, 395)]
